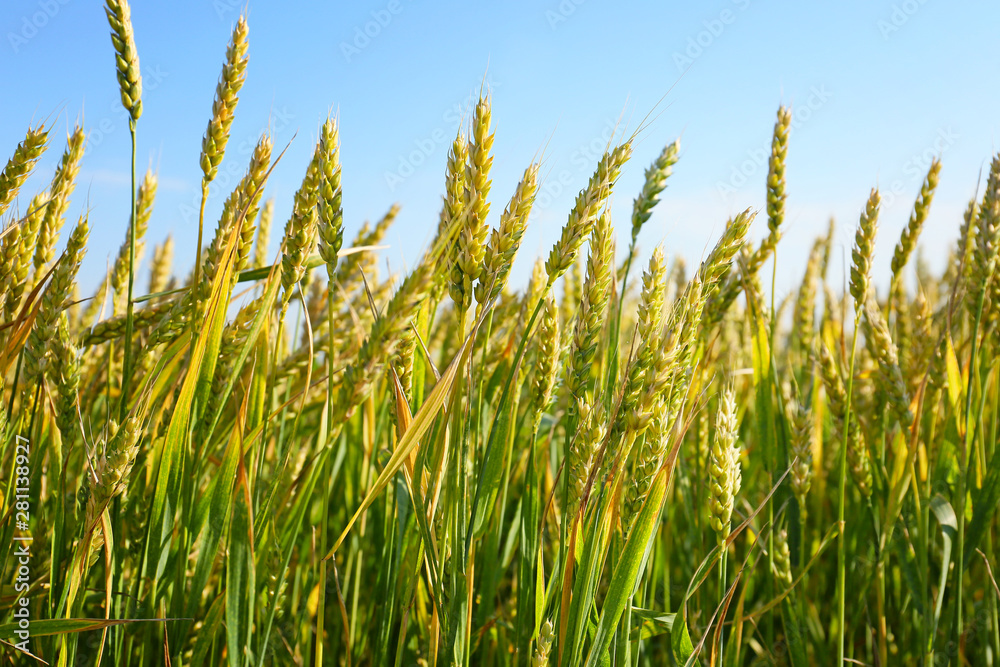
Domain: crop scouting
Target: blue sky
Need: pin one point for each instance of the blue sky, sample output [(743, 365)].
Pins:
[(877, 88)]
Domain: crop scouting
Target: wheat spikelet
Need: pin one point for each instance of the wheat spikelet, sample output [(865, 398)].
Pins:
[(17, 256), (546, 360), (126, 56), (586, 439), (864, 248), (469, 251), (782, 565), (19, 166), (857, 452), (300, 230), (145, 197), (724, 466), (65, 372), (263, 234), (884, 350), (908, 239), (506, 239), (802, 469), (775, 190), (540, 658), (647, 463), (56, 293), (61, 188), (331, 212), (656, 181), (584, 214), (593, 308), (805, 302), (213, 145), (159, 268)]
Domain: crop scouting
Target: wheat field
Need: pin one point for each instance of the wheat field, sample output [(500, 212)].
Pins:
[(288, 458)]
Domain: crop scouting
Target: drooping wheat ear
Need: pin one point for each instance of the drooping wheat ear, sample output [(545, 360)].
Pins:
[(506, 239), (20, 165), (469, 252), (60, 190), (805, 303), (648, 461), (864, 248), (545, 636), (382, 341), (584, 214), (263, 234), (656, 181), (725, 476), (775, 190), (586, 440), (213, 145), (119, 272), (126, 56), (65, 372), (36, 357), (591, 315), (884, 350), (18, 249), (782, 565), (331, 212), (546, 359), (908, 239), (159, 268), (802, 470), (857, 451)]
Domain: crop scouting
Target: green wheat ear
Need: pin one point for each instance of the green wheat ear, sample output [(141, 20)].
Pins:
[(126, 56)]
